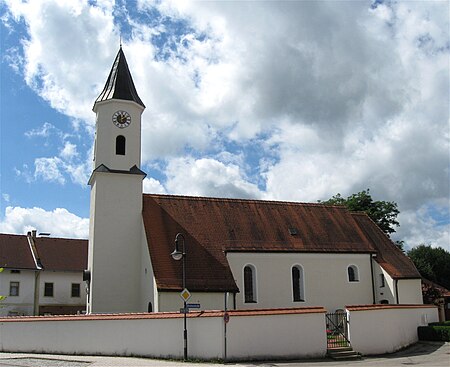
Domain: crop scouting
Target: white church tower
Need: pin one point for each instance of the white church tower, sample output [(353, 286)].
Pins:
[(115, 228)]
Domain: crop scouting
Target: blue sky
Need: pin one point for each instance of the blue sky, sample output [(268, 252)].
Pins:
[(292, 100)]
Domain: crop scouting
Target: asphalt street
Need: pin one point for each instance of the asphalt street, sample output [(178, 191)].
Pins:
[(425, 354)]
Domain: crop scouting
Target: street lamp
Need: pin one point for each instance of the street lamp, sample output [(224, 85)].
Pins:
[(178, 255)]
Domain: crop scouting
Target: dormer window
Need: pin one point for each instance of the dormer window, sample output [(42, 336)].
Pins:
[(120, 145)]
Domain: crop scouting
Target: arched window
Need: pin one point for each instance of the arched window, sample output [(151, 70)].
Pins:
[(249, 284), (297, 284), (120, 145), (384, 302), (352, 272)]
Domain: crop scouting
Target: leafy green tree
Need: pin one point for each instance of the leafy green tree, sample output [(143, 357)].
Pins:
[(433, 263), (383, 213), (2, 297)]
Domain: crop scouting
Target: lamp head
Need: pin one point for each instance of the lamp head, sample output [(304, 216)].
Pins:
[(176, 254)]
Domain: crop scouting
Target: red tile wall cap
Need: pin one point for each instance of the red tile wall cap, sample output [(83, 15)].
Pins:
[(386, 307), (165, 315)]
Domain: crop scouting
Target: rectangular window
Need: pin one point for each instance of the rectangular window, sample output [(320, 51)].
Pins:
[(14, 271), (14, 289), (75, 289), (48, 290), (382, 281)]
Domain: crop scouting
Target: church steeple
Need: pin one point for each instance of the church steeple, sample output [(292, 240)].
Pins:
[(120, 83)]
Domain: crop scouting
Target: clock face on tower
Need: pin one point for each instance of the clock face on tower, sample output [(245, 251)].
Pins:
[(121, 119)]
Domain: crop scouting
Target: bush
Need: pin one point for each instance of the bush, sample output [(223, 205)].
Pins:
[(435, 332), (443, 323)]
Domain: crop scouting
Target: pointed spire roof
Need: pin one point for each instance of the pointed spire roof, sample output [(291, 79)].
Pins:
[(120, 83)]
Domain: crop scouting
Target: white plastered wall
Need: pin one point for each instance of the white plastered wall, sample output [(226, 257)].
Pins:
[(115, 243), (388, 291), (62, 288), (147, 277), (22, 304), (409, 291), (325, 279)]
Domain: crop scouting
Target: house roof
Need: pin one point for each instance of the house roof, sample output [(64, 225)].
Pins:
[(214, 226), (57, 254), (62, 254), (120, 84), (15, 252)]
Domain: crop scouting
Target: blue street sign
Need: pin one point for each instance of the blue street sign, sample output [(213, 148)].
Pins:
[(193, 305)]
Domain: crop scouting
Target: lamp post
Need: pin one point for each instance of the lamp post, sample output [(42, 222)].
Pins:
[(181, 255)]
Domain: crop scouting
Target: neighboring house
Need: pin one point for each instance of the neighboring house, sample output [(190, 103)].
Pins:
[(438, 295), (243, 253), (42, 275)]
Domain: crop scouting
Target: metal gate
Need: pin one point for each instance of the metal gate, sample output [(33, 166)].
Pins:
[(337, 331)]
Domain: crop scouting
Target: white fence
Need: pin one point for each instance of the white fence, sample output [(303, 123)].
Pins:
[(249, 334), (259, 334), (379, 329)]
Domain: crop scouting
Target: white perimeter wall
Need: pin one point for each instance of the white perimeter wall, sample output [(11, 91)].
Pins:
[(249, 335), (385, 329)]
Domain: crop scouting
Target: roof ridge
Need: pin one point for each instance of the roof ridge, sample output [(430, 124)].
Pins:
[(224, 199)]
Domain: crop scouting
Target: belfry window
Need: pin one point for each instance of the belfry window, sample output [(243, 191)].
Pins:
[(297, 284), (120, 145), (249, 284)]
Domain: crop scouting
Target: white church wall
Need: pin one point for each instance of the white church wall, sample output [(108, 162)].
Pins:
[(325, 279), (387, 292), (107, 132), (147, 276), (379, 329), (115, 242), (410, 291)]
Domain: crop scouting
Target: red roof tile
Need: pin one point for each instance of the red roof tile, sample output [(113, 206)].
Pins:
[(62, 254), (59, 254), (15, 252), (214, 226), (389, 256)]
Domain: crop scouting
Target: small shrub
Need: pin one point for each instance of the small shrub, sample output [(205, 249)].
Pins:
[(434, 332)]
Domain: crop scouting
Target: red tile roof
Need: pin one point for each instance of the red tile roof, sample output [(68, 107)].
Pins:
[(389, 256), (58, 254), (62, 254), (214, 226), (167, 315), (15, 252)]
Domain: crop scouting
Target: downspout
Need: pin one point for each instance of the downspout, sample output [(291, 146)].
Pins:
[(31, 237), (373, 280), (396, 290)]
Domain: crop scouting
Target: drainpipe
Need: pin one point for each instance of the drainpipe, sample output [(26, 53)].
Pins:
[(31, 237), (373, 280)]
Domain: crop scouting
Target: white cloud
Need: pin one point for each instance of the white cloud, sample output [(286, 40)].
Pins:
[(347, 97), (59, 222), (152, 186), (49, 169), (44, 131), (208, 177)]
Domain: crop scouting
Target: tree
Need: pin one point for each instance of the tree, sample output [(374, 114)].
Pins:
[(2, 297), (433, 263), (383, 213)]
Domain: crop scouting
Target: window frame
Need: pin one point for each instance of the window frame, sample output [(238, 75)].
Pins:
[(301, 284), (121, 143), (355, 271), (15, 286), (382, 280), (72, 289), (254, 298), (52, 288)]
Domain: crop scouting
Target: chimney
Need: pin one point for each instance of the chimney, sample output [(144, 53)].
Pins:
[(33, 233)]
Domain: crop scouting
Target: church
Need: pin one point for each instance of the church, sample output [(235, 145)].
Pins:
[(236, 254)]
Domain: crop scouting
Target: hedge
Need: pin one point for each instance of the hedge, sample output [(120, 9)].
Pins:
[(437, 331)]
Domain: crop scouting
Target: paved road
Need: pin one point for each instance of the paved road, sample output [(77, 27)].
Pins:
[(426, 354)]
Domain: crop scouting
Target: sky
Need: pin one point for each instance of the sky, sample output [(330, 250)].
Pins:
[(271, 100)]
